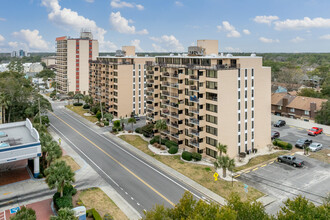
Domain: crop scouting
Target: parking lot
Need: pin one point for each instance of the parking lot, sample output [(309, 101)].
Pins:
[(283, 181), (291, 134)]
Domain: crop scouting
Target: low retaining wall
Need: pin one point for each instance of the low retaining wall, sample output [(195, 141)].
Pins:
[(301, 123)]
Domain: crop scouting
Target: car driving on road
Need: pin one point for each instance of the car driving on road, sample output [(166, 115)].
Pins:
[(315, 147), (301, 143), (291, 160), (280, 123), (315, 131)]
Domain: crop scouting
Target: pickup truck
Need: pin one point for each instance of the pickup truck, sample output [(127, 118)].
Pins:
[(315, 131), (291, 160)]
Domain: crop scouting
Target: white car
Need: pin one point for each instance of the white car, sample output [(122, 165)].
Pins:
[(315, 147)]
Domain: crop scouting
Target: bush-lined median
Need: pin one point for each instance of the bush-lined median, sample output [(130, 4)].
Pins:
[(80, 111)]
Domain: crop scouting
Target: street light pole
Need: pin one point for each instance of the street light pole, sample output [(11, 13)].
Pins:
[(100, 103), (39, 110)]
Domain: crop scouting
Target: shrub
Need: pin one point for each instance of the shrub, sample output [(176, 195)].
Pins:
[(147, 130), (154, 140), (77, 104), (98, 115), (96, 215), (186, 155), (138, 130), (169, 144), (196, 156), (95, 109), (86, 106), (64, 202), (173, 150), (69, 190), (282, 144), (108, 217), (106, 123), (114, 129), (44, 120)]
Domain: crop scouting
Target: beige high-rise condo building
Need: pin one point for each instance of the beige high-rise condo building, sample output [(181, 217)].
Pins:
[(206, 99), (119, 82), (72, 62)]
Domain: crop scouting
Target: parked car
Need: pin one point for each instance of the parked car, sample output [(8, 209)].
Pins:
[(137, 118), (291, 160), (301, 143), (315, 147), (315, 131), (280, 123), (275, 134)]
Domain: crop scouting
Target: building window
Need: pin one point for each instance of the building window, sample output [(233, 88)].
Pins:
[(212, 119), (252, 72), (245, 104), (245, 83), (239, 73), (245, 136), (239, 94), (211, 85), (239, 127), (291, 109), (279, 107), (239, 84), (239, 138), (252, 122), (211, 108), (212, 74), (239, 116), (306, 112), (211, 141), (239, 106), (252, 114), (212, 130), (245, 72), (211, 153)]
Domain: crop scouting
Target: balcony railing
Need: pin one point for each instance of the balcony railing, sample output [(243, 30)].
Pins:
[(194, 143), (193, 88), (194, 121), (193, 99), (174, 114), (194, 110), (164, 83), (194, 132)]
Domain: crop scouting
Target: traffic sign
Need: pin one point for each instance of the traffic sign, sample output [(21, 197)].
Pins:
[(14, 210), (246, 188), (215, 175)]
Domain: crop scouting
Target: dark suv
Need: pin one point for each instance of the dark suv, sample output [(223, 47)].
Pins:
[(279, 123), (301, 143)]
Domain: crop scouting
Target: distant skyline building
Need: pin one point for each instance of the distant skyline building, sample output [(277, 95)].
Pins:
[(20, 53), (72, 62), (120, 82)]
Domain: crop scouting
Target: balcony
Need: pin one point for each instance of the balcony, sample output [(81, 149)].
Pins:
[(174, 105), (175, 75), (173, 124), (193, 99), (149, 99), (166, 132), (150, 90), (194, 110), (150, 107), (193, 78), (174, 115), (194, 132), (175, 135), (150, 72), (194, 88), (194, 121), (166, 112), (165, 83), (149, 85), (166, 74), (174, 95), (166, 102), (194, 143), (165, 93), (174, 85)]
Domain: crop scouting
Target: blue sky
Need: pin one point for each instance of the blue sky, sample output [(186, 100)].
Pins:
[(169, 25)]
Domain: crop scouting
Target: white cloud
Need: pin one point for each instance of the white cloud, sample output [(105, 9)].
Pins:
[(13, 44), (120, 24), (89, 1), (325, 37), (68, 19), (231, 49), (33, 39), (3, 19), (2, 38), (268, 40), (136, 44), (304, 23), (231, 30), (246, 31), (167, 43), (297, 40), (122, 4), (265, 19), (179, 4)]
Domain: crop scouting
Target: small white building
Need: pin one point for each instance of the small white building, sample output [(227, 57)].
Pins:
[(20, 141)]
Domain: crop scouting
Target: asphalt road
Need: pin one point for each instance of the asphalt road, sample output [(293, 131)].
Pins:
[(291, 134), (283, 181), (137, 181)]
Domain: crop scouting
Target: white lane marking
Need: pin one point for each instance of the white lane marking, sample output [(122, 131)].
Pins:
[(134, 157), (126, 193), (132, 198), (138, 203), (87, 157)]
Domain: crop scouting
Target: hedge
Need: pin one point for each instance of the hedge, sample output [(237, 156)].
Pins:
[(173, 150), (196, 156), (62, 202), (186, 155), (92, 213), (138, 130), (106, 123), (108, 217), (86, 106), (170, 144), (77, 104), (282, 144)]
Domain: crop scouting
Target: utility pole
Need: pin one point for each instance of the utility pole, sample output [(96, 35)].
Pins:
[(101, 104), (39, 110)]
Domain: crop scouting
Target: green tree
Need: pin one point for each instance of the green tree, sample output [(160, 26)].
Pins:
[(78, 96), (98, 115), (301, 208), (326, 87), (323, 115), (225, 163), (116, 125), (58, 175), (309, 92), (132, 121), (109, 117), (88, 99), (24, 213), (43, 64), (64, 214), (71, 94), (222, 148), (46, 73), (160, 126)]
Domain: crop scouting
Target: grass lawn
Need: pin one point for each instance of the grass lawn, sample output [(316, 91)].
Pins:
[(321, 155), (259, 159), (199, 173), (80, 111), (70, 161), (96, 198)]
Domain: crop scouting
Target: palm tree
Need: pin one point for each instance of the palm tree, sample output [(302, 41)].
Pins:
[(222, 148), (109, 117), (88, 99), (123, 121), (225, 163), (306, 150), (78, 96), (53, 152), (160, 126), (58, 175), (131, 121)]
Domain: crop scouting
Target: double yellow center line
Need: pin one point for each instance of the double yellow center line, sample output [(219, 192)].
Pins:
[(123, 166)]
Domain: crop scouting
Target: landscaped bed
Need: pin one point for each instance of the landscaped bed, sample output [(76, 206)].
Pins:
[(70, 161), (199, 173), (80, 111), (97, 199)]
